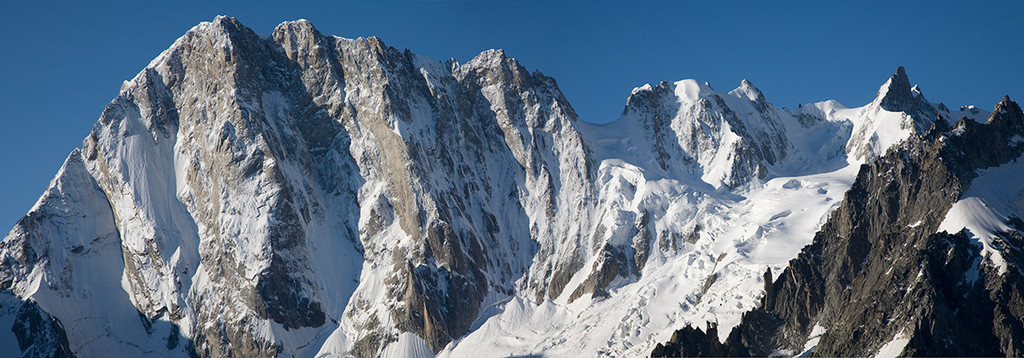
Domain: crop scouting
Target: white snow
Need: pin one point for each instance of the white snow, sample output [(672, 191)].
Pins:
[(812, 340), (874, 130), (744, 231), (690, 90), (983, 210), (80, 282), (408, 345), (894, 347)]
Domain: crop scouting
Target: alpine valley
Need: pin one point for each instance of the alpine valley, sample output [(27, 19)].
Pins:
[(297, 194)]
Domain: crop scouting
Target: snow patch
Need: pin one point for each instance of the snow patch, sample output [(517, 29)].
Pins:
[(409, 345), (812, 340), (690, 90), (894, 347)]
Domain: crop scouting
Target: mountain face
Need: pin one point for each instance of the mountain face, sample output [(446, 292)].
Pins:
[(296, 194)]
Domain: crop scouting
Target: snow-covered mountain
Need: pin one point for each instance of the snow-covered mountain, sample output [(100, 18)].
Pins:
[(297, 194), (923, 257)]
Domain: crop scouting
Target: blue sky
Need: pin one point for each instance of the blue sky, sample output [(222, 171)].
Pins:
[(62, 61)]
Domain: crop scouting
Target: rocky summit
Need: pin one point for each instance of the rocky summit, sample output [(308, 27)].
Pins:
[(301, 194)]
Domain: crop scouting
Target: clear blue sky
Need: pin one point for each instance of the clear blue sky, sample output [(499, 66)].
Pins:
[(62, 61)]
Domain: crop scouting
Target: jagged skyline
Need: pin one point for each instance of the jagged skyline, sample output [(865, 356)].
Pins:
[(796, 53)]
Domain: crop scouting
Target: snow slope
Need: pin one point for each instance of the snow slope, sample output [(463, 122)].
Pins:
[(673, 156), (984, 210), (79, 278)]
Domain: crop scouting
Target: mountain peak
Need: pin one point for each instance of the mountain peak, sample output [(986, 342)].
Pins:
[(296, 37), (225, 24), (220, 19), (496, 66), (225, 31), (1007, 113), (299, 26), (691, 90), (492, 58), (896, 94), (748, 90)]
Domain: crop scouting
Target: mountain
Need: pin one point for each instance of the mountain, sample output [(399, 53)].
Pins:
[(298, 194), (922, 258)]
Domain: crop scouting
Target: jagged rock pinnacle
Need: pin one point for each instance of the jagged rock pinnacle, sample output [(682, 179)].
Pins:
[(897, 95)]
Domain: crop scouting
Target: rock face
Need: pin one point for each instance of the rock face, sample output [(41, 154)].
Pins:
[(883, 275), (38, 334), (297, 194)]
